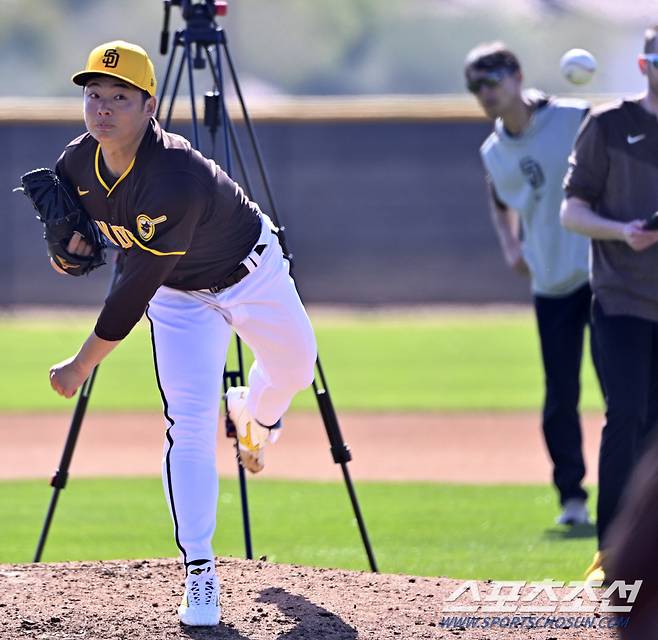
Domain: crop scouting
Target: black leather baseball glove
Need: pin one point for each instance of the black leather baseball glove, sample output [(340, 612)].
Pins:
[(62, 215)]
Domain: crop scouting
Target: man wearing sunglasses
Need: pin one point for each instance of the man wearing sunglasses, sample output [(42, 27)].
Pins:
[(611, 191), (525, 159)]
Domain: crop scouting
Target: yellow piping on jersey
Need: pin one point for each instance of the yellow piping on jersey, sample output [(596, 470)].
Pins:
[(155, 251), (98, 173)]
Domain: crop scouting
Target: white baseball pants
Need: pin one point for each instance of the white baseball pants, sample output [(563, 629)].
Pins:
[(190, 331)]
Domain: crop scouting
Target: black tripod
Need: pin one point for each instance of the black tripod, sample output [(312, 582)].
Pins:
[(202, 43), (61, 475)]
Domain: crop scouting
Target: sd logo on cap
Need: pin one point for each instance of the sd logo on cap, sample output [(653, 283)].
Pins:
[(123, 60), (111, 58)]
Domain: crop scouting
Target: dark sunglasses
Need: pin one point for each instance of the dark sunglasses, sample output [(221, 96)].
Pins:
[(491, 80), (651, 58)]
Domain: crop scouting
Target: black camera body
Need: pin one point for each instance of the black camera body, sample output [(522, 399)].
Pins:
[(206, 9), (199, 18)]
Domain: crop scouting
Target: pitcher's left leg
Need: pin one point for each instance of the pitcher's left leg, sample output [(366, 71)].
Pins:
[(269, 316), (266, 312), (282, 341)]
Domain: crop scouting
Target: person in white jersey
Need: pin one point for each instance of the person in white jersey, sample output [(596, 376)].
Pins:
[(201, 260), (525, 160)]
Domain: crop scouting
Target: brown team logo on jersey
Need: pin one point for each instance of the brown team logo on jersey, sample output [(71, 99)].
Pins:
[(146, 226)]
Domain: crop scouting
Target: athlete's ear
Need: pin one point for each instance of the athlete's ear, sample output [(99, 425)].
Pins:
[(150, 105), (642, 63), (517, 77)]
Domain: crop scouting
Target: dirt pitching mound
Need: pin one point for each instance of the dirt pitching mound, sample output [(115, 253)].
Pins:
[(135, 600)]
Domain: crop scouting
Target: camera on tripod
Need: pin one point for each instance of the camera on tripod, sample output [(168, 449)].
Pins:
[(199, 17), (208, 7)]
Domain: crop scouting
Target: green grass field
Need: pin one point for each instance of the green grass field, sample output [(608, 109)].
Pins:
[(497, 532), (455, 362), (373, 362)]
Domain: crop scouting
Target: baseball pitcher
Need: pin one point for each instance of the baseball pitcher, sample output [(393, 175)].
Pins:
[(201, 260)]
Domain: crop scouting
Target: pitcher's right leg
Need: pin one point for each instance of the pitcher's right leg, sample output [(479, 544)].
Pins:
[(189, 339)]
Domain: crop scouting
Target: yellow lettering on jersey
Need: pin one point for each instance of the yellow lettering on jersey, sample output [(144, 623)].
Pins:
[(105, 231), (122, 235)]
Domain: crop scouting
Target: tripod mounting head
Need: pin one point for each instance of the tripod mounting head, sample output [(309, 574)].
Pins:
[(211, 8), (197, 15)]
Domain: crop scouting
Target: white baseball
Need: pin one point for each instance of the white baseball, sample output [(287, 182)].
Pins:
[(578, 66)]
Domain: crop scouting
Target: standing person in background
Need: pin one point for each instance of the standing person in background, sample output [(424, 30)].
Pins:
[(611, 189), (525, 158)]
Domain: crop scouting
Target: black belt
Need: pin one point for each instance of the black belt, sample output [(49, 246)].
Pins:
[(235, 276)]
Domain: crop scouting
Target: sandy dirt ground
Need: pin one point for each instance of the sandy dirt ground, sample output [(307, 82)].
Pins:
[(464, 448), (138, 600)]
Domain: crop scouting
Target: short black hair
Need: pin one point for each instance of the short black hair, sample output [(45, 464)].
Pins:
[(489, 56), (650, 36)]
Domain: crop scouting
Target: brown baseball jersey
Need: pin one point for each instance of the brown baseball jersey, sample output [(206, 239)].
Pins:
[(181, 221), (614, 167)]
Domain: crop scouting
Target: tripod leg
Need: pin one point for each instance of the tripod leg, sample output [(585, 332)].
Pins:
[(219, 82), (234, 379), (190, 79), (341, 455), (244, 503), (359, 517), (58, 481), (215, 67), (179, 74), (46, 525), (60, 476), (165, 83), (253, 140)]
